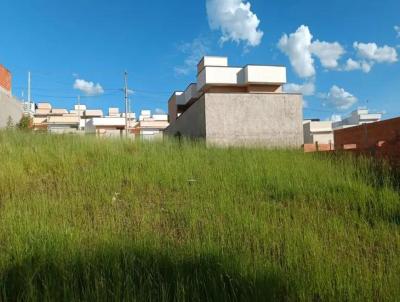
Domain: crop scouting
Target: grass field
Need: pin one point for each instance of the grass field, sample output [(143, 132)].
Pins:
[(85, 219)]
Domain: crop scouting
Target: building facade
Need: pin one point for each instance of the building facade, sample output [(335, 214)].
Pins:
[(11, 110), (238, 106), (358, 117), (151, 126), (318, 132), (368, 136)]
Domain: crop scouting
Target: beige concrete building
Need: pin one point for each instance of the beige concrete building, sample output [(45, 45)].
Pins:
[(237, 106), (106, 126), (151, 126), (42, 112), (54, 120), (358, 117), (318, 132), (62, 124)]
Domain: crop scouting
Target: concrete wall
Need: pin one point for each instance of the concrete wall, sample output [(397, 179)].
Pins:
[(269, 120), (318, 132), (9, 107), (191, 123), (323, 138)]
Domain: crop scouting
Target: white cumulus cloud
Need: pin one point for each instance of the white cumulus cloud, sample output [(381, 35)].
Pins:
[(193, 51), (301, 50), (352, 65), (372, 52), (397, 29), (328, 53), (88, 88), (358, 65), (236, 21), (305, 89), (297, 47), (339, 98)]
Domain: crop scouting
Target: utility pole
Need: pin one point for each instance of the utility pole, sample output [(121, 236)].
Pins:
[(126, 103)]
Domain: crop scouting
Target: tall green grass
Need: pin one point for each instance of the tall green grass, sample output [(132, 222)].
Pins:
[(85, 219)]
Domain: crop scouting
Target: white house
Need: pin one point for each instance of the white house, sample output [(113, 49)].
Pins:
[(358, 117), (318, 132)]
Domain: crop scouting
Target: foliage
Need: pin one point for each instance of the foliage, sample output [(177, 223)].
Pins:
[(89, 219), (25, 123)]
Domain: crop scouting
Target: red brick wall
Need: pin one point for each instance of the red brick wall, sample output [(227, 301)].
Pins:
[(380, 139), (5, 78), (369, 135)]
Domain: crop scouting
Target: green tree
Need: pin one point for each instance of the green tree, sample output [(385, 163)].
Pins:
[(25, 123)]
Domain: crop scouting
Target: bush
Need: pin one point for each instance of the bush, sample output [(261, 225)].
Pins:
[(25, 123)]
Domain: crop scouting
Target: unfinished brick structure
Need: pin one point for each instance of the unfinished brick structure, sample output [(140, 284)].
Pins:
[(5, 80), (381, 139)]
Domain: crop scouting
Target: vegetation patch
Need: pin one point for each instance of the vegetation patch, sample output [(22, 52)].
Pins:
[(86, 219)]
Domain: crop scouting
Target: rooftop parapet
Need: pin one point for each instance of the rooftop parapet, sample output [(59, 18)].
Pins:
[(108, 122), (94, 113), (130, 115), (114, 112), (320, 126), (212, 61), (215, 76), (160, 117), (43, 112), (44, 106), (63, 120), (77, 112), (236, 76), (59, 111)]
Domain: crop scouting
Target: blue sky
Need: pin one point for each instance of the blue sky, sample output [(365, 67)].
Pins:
[(350, 61)]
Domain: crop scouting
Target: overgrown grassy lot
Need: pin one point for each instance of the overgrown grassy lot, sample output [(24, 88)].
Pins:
[(86, 219)]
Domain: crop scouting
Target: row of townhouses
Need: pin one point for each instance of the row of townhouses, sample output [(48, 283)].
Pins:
[(93, 121), (78, 120), (227, 105)]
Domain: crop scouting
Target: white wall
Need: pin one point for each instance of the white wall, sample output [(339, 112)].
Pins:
[(265, 74)]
